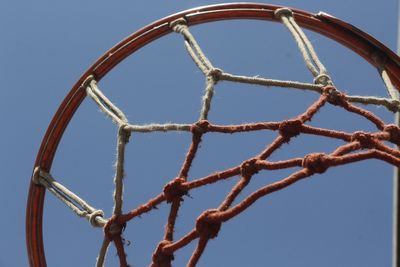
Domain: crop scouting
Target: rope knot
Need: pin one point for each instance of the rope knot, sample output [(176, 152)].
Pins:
[(175, 189), (394, 133), (125, 134), (206, 227), (200, 127), (335, 97), (323, 79), (290, 128), (112, 228), (394, 105), (316, 162), (93, 215), (366, 140), (215, 74), (249, 168), (160, 258)]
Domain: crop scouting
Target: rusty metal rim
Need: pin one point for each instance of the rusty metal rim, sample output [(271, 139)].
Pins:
[(342, 32)]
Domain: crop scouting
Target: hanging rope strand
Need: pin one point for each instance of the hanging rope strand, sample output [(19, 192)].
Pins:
[(122, 140), (284, 15), (204, 69), (105, 102), (70, 199), (103, 252), (308, 45), (180, 26), (380, 61), (306, 49)]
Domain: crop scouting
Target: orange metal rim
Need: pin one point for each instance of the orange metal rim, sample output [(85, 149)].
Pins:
[(344, 33)]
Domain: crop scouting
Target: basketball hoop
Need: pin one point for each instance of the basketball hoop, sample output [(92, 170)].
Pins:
[(358, 145)]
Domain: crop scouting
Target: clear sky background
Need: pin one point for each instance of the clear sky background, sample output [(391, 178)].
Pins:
[(339, 219)]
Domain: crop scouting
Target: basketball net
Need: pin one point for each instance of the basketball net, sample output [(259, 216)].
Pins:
[(357, 146)]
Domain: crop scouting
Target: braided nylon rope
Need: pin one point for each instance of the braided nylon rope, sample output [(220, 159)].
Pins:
[(358, 146)]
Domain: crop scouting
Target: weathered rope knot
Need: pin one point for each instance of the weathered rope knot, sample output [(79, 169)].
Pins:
[(93, 215), (366, 140), (215, 74), (394, 105), (112, 228), (200, 127), (323, 79), (249, 168), (175, 189), (205, 227), (178, 25), (124, 133), (284, 11), (335, 97), (394, 133), (290, 128), (316, 162), (160, 258)]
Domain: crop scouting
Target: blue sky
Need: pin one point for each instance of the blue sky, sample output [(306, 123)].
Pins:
[(341, 218)]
